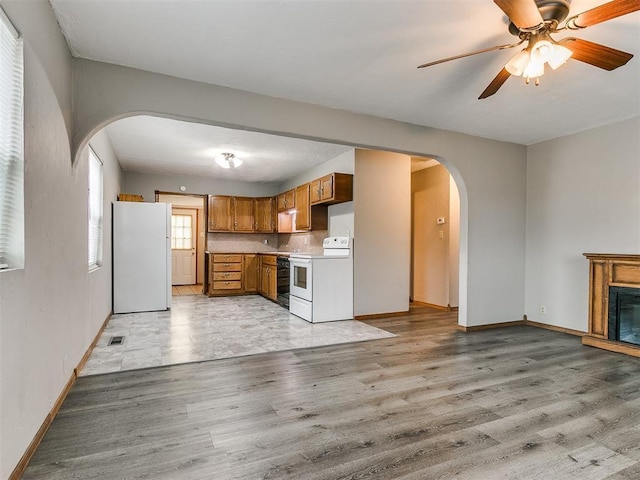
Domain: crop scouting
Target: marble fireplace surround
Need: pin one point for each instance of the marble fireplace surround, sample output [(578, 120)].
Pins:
[(609, 270)]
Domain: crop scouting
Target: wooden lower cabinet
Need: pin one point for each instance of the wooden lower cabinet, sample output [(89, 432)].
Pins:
[(269, 276), (233, 274), (243, 274), (225, 273), (251, 273)]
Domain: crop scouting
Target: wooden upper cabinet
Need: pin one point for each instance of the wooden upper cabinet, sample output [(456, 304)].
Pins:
[(287, 200), (315, 193), (243, 218), (303, 208), (264, 215), (219, 213), (331, 189)]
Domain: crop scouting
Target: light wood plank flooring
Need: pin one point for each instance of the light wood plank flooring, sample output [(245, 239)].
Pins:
[(431, 403)]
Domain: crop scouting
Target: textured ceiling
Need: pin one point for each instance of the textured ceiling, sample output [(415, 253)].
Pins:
[(361, 56), (158, 145)]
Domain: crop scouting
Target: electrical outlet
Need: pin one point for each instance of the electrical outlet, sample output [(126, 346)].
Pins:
[(441, 234), (543, 310)]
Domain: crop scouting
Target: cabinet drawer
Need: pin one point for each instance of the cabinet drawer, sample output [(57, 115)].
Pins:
[(227, 267), (269, 260), (227, 285), (227, 257), (223, 276)]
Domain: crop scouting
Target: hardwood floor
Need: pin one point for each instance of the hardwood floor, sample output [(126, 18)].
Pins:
[(431, 403)]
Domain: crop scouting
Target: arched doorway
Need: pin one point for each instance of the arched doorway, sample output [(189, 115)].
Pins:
[(435, 235)]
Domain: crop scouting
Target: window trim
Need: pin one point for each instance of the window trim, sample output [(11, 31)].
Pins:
[(98, 259)]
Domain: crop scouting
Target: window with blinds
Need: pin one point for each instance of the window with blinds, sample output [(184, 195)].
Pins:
[(95, 211), (11, 147)]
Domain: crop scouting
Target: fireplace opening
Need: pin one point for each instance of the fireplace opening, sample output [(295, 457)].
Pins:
[(624, 314)]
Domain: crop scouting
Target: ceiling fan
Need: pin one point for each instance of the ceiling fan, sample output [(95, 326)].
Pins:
[(533, 22)]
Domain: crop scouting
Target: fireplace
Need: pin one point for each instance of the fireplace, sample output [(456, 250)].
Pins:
[(624, 315), (614, 302)]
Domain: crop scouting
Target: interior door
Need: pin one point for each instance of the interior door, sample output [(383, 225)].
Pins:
[(183, 246)]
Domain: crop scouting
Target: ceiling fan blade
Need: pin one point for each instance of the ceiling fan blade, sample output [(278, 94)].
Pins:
[(604, 12), (595, 54), (484, 50), (523, 13), (495, 84)]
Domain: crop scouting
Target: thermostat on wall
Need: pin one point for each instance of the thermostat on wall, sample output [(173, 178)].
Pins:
[(440, 220)]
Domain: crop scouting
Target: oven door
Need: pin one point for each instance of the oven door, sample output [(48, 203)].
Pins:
[(301, 278)]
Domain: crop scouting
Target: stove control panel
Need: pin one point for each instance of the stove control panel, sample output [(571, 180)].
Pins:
[(336, 242)]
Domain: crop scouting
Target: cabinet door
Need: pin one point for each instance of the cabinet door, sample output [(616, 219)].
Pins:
[(243, 220), (264, 279), (286, 201), (265, 215), (250, 274), (273, 283), (326, 187), (316, 191), (219, 213), (303, 208)]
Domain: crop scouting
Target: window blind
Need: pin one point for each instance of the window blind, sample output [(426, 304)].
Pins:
[(95, 210), (11, 147)]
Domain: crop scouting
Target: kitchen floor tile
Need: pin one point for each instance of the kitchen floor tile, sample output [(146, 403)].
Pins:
[(199, 328)]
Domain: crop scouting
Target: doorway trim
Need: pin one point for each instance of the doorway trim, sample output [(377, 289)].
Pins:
[(200, 251)]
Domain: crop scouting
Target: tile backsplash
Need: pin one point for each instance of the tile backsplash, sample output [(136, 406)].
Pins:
[(242, 242), (307, 242)]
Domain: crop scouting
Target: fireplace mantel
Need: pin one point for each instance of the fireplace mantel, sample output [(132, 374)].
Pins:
[(609, 270)]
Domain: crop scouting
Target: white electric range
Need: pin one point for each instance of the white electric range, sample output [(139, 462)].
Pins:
[(321, 286)]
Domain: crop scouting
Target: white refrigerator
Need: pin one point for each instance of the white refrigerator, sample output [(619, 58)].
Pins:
[(141, 257)]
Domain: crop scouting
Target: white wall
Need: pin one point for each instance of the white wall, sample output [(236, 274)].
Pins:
[(382, 234), (583, 196), (146, 184), (47, 312)]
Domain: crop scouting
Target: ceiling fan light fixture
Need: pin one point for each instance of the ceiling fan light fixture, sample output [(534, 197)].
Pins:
[(534, 70), (517, 65), (228, 160), (542, 51), (560, 56)]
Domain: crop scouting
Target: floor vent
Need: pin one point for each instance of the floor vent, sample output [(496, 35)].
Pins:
[(116, 340)]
